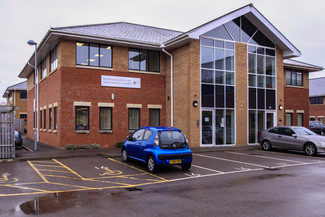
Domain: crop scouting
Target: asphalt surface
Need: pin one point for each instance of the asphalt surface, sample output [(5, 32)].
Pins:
[(47, 152)]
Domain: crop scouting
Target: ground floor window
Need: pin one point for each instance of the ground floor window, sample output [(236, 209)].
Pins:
[(300, 119), (41, 119), (50, 118), (289, 119), (44, 112), (105, 118), (321, 119), (154, 117), (218, 127), (259, 120), (82, 118), (55, 118), (24, 117), (134, 118)]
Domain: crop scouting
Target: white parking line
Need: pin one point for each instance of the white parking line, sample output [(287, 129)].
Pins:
[(216, 171), (213, 174), (272, 158), (234, 161)]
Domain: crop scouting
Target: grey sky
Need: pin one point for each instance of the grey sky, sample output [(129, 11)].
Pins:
[(302, 22)]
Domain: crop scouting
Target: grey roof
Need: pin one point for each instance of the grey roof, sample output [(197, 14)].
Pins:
[(19, 86), (317, 87), (291, 63), (124, 31)]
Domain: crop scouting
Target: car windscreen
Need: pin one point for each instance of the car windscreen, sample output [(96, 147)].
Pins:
[(170, 137), (304, 131)]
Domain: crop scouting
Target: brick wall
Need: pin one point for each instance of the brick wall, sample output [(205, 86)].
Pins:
[(71, 83)]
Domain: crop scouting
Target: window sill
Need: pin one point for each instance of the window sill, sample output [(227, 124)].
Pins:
[(144, 72), (50, 131), (55, 131), (40, 130), (292, 86), (105, 131), (53, 71), (82, 131), (131, 131), (42, 79), (94, 67), (44, 130)]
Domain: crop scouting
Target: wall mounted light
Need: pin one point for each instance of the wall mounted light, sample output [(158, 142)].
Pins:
[(112, 96), (280, 107), (195, 103)]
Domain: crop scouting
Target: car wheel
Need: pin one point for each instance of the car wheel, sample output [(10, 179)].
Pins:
[(266, 145), (125, 156), (151, 164), (310, 149), (186, 166)]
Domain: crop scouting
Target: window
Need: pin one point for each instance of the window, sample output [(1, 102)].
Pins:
[(41, 119), (24, 117), (50, 118), (134, 118), (105, 118), (138, 135), (300, 119), (288, 119), (93, 55), (316, 100), (294, 78), (82, 118), (144, 60), (154, 117), (286, 131), (147, 134), (43, 69), (54, 59), (44, 112), (23, 94), (55, 118), (321, 119)]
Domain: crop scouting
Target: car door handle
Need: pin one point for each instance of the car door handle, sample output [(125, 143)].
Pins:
[(279, 136)]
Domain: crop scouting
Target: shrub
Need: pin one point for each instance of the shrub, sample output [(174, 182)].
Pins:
[(119, 144), (88, 146)]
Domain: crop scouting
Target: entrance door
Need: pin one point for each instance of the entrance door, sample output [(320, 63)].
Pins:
[(207, 127), (270, 120)]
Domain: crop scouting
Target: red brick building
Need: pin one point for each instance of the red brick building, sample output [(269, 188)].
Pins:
[(221, 82), (296, 92), (317, 102)]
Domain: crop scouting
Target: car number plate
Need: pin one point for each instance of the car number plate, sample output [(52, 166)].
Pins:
[(177, 161)]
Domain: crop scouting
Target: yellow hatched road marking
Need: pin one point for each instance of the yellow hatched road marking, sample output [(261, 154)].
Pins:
[(72, 171), (26, 188), (43, 165), (38, 172), (59, 171)]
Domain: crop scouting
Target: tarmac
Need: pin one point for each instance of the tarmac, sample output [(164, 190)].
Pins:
[(45, 152)]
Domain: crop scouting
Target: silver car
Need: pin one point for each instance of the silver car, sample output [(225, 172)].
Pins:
[(292, 138)]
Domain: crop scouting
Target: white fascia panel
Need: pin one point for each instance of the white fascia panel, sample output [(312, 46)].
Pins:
[(195, 34)]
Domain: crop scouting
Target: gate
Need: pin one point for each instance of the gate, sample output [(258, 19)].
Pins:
[(7, 132)]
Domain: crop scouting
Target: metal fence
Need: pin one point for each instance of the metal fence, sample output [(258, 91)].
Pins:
[(7, 132)]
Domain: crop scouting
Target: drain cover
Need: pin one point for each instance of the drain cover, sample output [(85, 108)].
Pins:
[(133, 189)]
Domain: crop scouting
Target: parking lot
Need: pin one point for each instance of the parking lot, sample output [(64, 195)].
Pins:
[(97, 173)]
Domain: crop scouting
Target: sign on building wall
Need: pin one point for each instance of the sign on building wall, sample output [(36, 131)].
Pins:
[(117, 81)]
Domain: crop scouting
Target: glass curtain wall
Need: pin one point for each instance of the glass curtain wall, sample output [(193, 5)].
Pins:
[(218, 83), (217, 90)]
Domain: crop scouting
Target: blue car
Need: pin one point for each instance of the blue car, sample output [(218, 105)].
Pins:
[(158, 146)]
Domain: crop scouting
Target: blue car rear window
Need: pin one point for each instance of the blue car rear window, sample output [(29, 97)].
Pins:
[(170, 137)]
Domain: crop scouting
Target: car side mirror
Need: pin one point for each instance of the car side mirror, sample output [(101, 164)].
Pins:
[(130, 138), (295, 135)]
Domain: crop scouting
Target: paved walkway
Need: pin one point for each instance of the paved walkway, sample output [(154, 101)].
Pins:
[(47, 152)]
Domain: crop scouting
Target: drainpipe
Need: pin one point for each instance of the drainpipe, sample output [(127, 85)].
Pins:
[(171, 89)]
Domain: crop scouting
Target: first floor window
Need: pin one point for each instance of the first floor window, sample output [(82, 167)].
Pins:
[(154, 117), (300, 119), (105, 118), (82, 118), (54, 59), (50, 118), (288, 119), (134, 118), (316, 100), (23, 94), (55, 118), (144, 60)]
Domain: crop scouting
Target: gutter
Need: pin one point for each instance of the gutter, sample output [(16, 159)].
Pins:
[(171, 87)]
